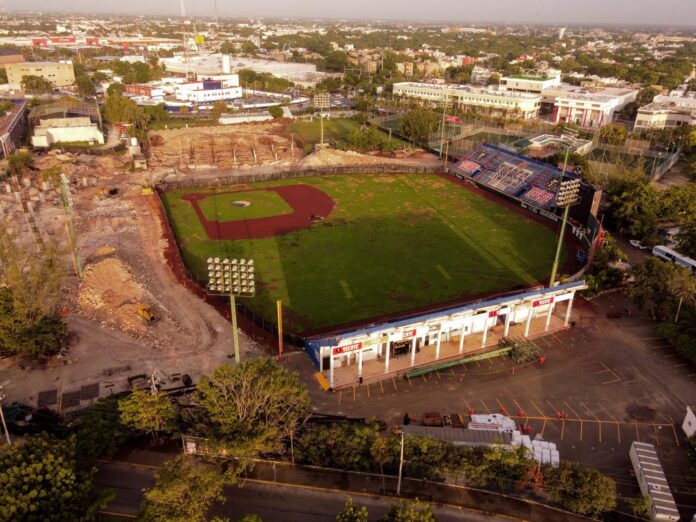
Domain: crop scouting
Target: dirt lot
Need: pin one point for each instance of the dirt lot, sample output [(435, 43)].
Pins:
[(604, 384)]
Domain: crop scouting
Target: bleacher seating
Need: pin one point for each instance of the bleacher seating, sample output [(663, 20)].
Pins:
[(512, 174)]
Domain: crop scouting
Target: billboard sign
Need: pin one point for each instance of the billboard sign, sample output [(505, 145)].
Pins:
[(542, 302), (349, 348)]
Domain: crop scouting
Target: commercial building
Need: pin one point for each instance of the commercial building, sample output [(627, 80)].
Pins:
[(376, 352), (66, 130), (13, 125), (60, 74), (531, 83), (484, 99), (652, 482), (209, 91), (667, 112), (480, 75)]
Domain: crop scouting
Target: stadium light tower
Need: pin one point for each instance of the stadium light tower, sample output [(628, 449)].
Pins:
[(566, 197), (234, 278)]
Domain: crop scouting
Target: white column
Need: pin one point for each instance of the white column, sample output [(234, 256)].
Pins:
[(461, 340), (529, 320), (485, 331), (360, 358), (386, 357), (568, 310), (437, 346), (331, 369), (413, 350), (548, 316), (508, 320)]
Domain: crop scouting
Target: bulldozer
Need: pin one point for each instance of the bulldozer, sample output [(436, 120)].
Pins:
[(146, 314)]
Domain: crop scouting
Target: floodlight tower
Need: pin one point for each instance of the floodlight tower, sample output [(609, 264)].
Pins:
[(233, 278), (566, 197)]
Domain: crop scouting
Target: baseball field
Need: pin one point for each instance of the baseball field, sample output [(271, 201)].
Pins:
[(347, 248)]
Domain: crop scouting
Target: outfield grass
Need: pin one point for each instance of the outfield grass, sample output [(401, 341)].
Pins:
[(309, 132), (392, 244), (263, 203)]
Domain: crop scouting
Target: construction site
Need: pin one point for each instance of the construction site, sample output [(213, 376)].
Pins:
[(130, 311)]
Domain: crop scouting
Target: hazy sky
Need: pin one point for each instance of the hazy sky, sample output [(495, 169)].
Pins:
[(670, 12)]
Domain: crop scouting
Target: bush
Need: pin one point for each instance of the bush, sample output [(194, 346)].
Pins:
[(276, 111)]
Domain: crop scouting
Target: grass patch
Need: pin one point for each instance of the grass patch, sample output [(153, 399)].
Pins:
[(263, 203), (394, 242)]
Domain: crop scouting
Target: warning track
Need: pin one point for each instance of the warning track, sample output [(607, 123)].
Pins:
[(308, 204)]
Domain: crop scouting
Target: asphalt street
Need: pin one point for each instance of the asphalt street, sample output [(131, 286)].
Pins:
[(271, 502)]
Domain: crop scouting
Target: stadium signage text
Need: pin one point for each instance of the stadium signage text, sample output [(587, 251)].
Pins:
[(340, 350), (408, 334), (547, 215), (493, 313), (542, 302)]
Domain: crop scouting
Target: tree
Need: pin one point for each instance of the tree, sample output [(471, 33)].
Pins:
[(249, 48), (36, 85), (659, 285), (342, 446), (152, 413), (603, 272), (30, 284), (336, 61), (405, 511), (19, 162), (41, 482), (352, 513), (100, 432), (635, 207), (687, 238), (494, 79), (100, 76), (581, 490), (85, 86), (251, 407), (419, 123), (646, 95), (641, 506), (115, 89), (250, 517), (276, 111), (613, 134), (119, 109), (184, 491), (219, 109)]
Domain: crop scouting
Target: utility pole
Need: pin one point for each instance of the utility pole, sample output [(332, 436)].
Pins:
[(401, 463)]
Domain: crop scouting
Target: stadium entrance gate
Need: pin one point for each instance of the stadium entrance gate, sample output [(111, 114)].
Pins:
[(395, 347)]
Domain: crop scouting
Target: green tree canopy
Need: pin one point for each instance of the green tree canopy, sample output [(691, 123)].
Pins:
[(581, 490), (687, 238), (115, 89), (419, 123), (100, 432), (646, 95), (36, 85), (19, 162), (85, 85), (41, 483), (119, 109), (152, 413), (352, 513), (184, 491), (276, 111), (613, 134), (406, 511), (659, 285), (252, 407)]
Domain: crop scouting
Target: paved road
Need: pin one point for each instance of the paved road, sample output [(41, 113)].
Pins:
[(271, 502)]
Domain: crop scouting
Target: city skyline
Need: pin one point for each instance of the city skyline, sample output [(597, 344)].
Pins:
[(615, 12)]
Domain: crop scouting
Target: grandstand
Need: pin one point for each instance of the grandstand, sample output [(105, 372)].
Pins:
[(511, 174)]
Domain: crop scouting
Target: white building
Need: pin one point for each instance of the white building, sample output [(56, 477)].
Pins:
[(652, 482), (209, 91), (486, 99), (531, 83), (667, 112), (480, 75), (689, 424), (587, 107), (66, 130)]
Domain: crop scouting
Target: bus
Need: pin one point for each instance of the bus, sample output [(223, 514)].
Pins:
[(672, 256)]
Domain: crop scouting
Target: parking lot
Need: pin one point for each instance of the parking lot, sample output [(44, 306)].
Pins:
[(604, 384)]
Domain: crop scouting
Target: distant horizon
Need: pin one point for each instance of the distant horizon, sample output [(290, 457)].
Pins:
[(599, 13)]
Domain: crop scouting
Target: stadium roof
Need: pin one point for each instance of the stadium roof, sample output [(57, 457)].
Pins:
[(10, 52), (459, 436)]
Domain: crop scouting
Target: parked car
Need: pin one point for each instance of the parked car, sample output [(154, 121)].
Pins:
[(636, 244)]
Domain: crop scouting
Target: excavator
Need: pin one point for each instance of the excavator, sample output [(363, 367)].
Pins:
[(146, 314)]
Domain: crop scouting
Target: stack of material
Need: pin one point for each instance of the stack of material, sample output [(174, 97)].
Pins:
[(494, 421)]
